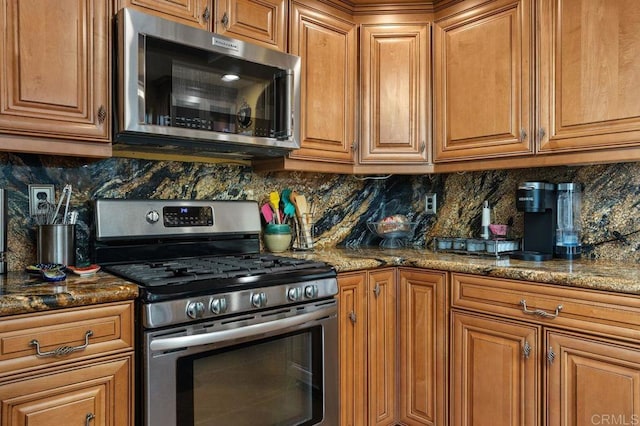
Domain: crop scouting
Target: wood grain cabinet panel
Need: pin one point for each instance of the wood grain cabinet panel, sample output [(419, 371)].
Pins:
[(257, 21), (352, 321), (197, 13), (589, 79), (423, 359), (54, 76), (395, 76), (591, 382), (482, 82), (495, 369), (96, 394), (327, 46)]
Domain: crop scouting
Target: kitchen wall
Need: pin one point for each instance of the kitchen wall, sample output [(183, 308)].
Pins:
[(610, 212)]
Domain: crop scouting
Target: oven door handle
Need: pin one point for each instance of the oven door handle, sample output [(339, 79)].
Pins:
[(170, 343)]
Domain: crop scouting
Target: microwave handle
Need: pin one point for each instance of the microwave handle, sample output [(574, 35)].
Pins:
[(170, 343)]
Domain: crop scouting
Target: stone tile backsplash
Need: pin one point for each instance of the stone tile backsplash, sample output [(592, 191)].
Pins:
[(344, 204)]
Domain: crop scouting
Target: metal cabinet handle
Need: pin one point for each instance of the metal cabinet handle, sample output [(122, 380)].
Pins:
[(90, 416), (551, 355), (206, 14), (225, 21), (354, 146), (541, 133), (423, 147), (102, 114), (353, 317), (523, 135), (62, 350), (526, 350), (540, 312), (376, 290)]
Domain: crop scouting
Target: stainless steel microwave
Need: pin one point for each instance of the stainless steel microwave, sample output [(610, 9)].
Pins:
[(184, 90)]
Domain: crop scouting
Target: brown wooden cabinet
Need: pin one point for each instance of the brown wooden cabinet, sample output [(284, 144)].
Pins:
[(261, 22), (43, 383), (352, 323), (393, 347), (197, 13), (395, 92), (54, 77), (495, 372), (589, 79), (589, 358), (483, 82), (423, 310), (325, 39)]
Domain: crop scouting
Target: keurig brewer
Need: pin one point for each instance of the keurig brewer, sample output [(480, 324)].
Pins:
[(538, 202)]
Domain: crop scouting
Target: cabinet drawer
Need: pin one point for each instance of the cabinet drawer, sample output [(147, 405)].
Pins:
[(61, 336), (602, 313)]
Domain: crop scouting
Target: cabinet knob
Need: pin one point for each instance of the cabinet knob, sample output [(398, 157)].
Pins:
[(376, 290), (523, 135), (551, 355), (541, 134), (206, 14), (102, 114), (423, 147), (353, 317), (526, 350), (225, 21)]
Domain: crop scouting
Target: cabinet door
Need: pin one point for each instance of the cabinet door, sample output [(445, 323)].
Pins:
[(382, 339), (423, 347), (98, 394), (591, 382), (196, 13), (483, 90), (494, 372), (327, 46), (395, 93), (352, 318), (589, 79), (54, 77), (258, 21)]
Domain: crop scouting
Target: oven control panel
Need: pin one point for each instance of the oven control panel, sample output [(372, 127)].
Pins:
[(172, 312), (187, 216)]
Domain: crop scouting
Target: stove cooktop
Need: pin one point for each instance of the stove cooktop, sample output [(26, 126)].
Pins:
[(188, 277)]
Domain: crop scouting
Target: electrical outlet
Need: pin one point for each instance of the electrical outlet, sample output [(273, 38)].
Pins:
[(38, 194), (430, 203)]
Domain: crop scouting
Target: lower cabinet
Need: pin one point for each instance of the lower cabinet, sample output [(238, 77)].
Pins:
[(393, 347), (68, 367), (533, 354)]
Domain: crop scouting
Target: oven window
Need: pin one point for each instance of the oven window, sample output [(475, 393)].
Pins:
[(277, 381)]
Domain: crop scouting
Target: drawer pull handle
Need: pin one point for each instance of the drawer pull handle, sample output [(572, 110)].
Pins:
[(88, 418), (540, 312), (62, 350)]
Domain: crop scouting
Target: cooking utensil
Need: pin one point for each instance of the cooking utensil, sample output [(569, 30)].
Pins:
[(274, 199), (302, 213), (267, 213), (289, 209)]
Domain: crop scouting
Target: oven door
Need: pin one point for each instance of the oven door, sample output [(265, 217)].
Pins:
[(276, 367)]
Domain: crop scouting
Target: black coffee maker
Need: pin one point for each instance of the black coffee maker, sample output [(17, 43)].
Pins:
[(538, 202)]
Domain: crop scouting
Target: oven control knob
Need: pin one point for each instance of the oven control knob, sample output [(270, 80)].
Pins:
[(195, 310), (294, 293), (153, 216), (219, 306), (311, 291), (258, 300)]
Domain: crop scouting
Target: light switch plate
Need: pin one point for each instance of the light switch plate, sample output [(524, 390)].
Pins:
[(39, 193)]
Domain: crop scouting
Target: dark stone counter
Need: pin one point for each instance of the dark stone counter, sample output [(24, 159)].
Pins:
[(588, 274), (22, 293)]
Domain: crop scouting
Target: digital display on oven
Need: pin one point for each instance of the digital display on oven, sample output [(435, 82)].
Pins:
[(177, 216)]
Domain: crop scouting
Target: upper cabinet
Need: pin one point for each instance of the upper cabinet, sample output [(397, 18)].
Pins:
[(326, 42), (258, 21), (395, 85), (55, 92), (482, 82), (196, 13), (589, 74)]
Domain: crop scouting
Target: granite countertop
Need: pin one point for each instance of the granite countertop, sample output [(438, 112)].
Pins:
[(582, 273), (23, 293)]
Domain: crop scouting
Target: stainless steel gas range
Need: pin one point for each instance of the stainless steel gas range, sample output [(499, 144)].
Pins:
[(226, 334)]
